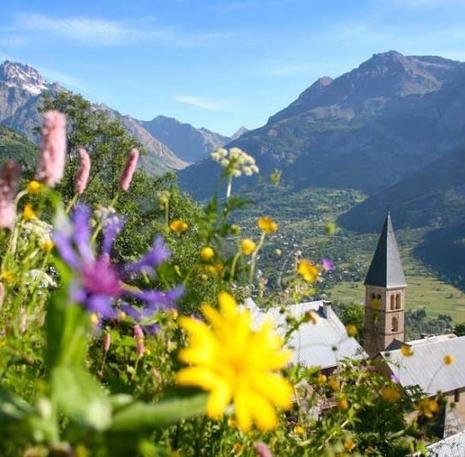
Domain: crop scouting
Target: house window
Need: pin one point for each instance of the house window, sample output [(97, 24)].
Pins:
[(457, 396), (398, 301), (393, 301), (395, 324)]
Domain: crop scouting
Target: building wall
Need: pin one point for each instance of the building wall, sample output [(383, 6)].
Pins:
[(384, 317)]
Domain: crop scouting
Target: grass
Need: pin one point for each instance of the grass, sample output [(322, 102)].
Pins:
[(423, 291)]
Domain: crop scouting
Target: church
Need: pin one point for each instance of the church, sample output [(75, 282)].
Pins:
[(435, 363)]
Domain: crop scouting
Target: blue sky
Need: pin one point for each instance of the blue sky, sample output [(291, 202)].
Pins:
[(217, 63)]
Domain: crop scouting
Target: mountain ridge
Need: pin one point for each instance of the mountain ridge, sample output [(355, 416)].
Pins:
[(365, 130), (21, 90)]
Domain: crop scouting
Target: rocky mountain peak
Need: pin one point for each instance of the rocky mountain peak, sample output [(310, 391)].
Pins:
[(24, 77)]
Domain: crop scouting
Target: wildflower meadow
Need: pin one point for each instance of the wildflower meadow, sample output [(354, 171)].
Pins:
[(123, 324)]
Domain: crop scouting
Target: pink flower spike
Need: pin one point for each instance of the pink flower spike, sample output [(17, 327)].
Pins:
[(262, 450), (52, 160), (9, 175), (129, 170), (82, 176)]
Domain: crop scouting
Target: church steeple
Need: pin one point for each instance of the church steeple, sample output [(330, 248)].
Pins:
[(385, 294), (386, 267)]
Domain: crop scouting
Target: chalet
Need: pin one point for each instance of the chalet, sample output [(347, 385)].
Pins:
[(322, 341)]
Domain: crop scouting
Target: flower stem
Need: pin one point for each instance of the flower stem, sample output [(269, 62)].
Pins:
[(229, 188), (254, 257)]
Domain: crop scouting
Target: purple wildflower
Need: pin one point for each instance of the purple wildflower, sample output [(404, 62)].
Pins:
[(328, 265), (99, 283)]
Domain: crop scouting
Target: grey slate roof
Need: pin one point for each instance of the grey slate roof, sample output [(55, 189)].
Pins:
[(453, 446), (386, 266), (426, 367), (322, 344)]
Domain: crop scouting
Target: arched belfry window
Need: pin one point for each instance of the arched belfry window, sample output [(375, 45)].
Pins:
[(395, 324), (393, 301), (398, 301)]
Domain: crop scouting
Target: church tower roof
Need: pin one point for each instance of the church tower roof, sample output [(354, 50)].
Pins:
[(386, 267)]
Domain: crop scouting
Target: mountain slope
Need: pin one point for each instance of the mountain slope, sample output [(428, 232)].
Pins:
[(188, 143), (21, 89), (365, 130), (15, 146), (431, 197)]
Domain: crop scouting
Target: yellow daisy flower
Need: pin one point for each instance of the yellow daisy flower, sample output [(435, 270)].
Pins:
[(267, 225), (428, 407), (179, 226), (308, 270), (236, 364), (207, 253), (248, 246)]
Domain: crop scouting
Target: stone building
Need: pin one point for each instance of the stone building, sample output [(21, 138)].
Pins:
[(384, 327), (385, 286)]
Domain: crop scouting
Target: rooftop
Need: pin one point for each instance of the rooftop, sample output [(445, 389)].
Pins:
[(386, 266), (323, 343), (426, 367)]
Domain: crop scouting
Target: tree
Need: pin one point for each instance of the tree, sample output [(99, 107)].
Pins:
[(459, 329)]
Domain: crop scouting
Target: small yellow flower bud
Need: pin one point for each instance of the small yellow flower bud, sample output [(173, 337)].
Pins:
[(47, 246), (334, 384), (278, 252), (299, 430), (8, 276), (390, 394), (207, 253), (330, 228), (29, 213), (448, 359), (34, 187), (94, 319), (178, 226), (322, 378), (248, 246), (351, 329), (342, 404), (406, 351), (349, 444)]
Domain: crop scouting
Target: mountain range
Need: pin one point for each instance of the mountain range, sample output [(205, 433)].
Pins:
[(170, 144), (365, 130)]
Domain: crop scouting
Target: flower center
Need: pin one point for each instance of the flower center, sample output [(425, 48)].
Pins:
[(101, 277)]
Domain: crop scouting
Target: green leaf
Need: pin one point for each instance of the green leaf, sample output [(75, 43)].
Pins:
[(67, 326), (141, 416), (79, 397), (12, 408)]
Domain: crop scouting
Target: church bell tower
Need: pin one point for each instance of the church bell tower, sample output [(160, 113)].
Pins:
[(385, 286)]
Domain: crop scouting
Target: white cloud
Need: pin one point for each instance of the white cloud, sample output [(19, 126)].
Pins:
[(198, 102), (105, 32), (89, 30)]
